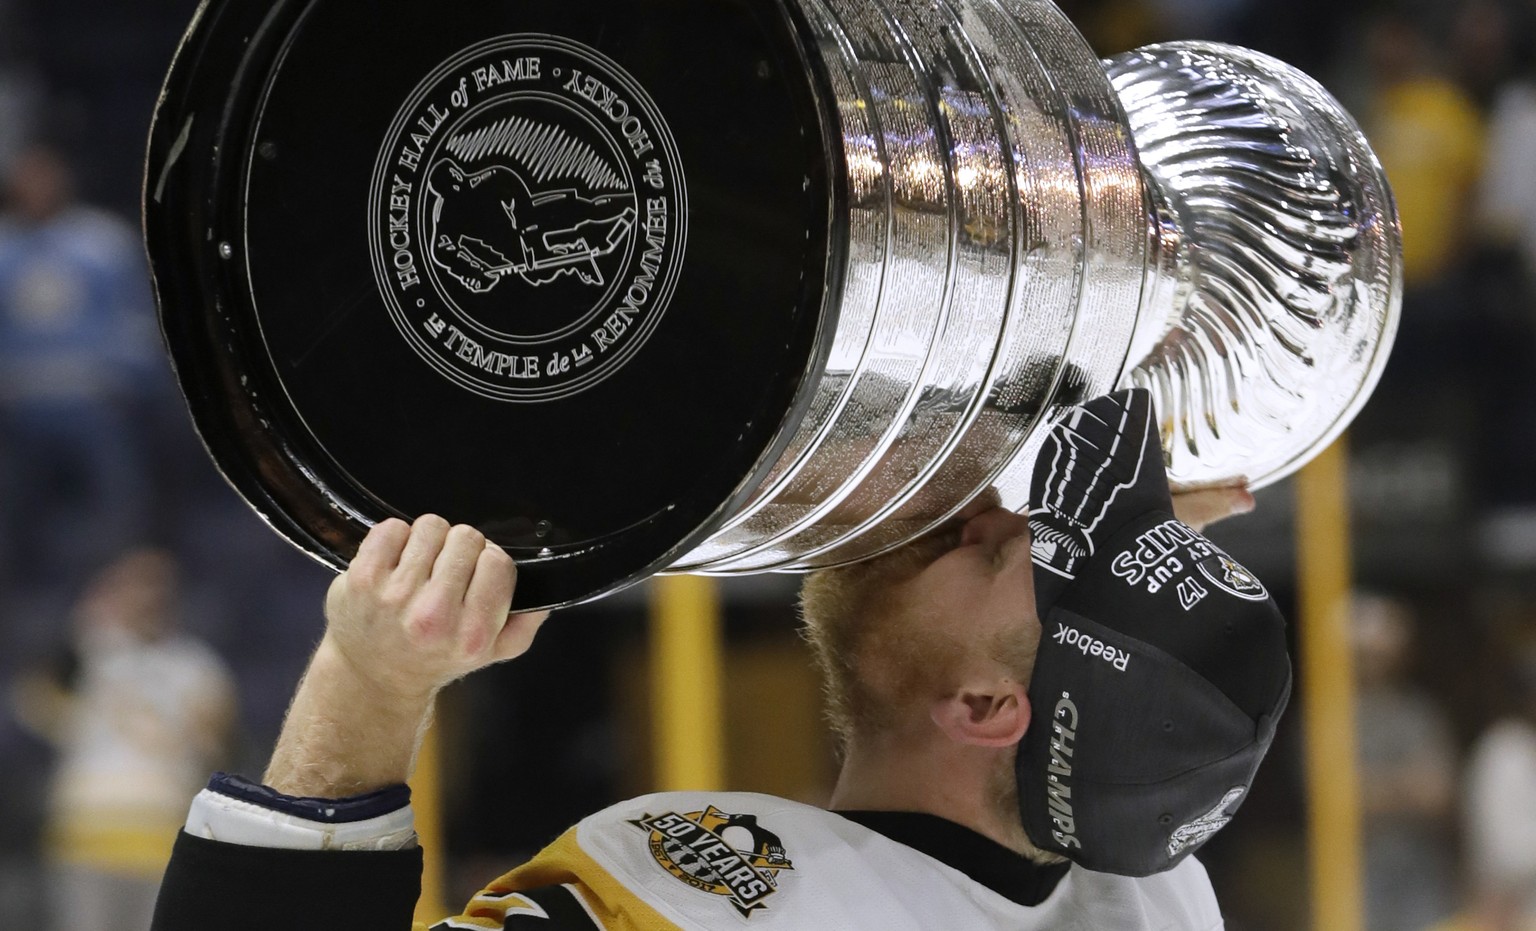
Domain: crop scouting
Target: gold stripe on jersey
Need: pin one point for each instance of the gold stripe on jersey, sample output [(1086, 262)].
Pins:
[(492, 911), (563, 862)]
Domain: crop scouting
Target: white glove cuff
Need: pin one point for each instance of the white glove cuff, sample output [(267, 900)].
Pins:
[(215, 816)]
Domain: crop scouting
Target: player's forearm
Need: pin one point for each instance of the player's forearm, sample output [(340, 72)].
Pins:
[(420, 605), (343, 735)]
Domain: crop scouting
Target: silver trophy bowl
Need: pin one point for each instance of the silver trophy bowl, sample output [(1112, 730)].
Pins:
[(1031, 227), (892, 241)]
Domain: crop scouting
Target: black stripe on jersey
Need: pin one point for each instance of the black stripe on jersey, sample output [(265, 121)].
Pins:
[(561, 906)]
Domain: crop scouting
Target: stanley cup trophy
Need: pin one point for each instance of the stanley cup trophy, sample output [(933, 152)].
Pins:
[(734, 286)]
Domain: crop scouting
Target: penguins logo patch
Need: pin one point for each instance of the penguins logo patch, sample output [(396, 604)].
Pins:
[(1197, 831), (731, 856), (1230, 576)]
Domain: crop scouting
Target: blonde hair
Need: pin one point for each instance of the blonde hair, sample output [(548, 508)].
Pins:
[(876, 652), (881, 654)]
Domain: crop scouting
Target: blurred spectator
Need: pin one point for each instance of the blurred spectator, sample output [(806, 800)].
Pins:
[(1481, 46), (1498, 294), (1407, 764), (140, 713), (1429, 136), (103, 64), (79, 357), (1501, 811), (1507, 205), (1497, 358)]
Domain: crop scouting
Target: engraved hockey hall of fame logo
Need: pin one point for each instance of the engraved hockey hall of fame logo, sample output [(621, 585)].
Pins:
[(528, 218)]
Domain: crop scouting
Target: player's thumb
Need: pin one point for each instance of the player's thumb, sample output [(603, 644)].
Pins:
[(517, 635), (1199, 509)]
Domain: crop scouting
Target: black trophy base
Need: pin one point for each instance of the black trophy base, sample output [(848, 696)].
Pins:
[(554, 268)]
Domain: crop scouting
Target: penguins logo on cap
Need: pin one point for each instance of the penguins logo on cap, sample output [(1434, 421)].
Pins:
[(1196, 831), (1230, 576)]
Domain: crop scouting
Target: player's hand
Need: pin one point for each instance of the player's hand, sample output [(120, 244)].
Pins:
[(1199, 506), (424, 604)]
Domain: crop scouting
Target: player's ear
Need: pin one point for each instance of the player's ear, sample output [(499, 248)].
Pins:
[(984, 714)]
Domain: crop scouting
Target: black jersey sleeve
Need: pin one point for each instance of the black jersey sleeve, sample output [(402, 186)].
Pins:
[(214, 886)]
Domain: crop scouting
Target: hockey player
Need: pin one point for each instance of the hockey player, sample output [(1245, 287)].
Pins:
[(1034, 737)]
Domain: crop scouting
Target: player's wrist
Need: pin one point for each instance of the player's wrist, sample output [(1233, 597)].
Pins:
[(344, 734), (390, 688)]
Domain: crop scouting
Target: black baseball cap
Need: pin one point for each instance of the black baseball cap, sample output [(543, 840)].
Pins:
[(1162, 669)]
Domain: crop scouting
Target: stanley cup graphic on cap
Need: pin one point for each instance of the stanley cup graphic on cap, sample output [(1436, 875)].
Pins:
[(734, 286)]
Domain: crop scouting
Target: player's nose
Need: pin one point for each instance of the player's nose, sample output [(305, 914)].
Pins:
[(994, 527)]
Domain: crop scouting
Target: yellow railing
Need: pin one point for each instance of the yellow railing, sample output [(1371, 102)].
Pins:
[(687, 705), (1324, 578)]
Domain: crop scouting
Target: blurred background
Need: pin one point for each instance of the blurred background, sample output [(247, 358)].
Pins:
[(151, 628)]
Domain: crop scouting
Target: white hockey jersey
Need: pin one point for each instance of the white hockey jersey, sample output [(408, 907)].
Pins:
[(697, 861)]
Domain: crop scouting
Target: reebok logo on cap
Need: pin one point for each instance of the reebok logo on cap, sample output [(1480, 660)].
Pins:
[(1091, 646)]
